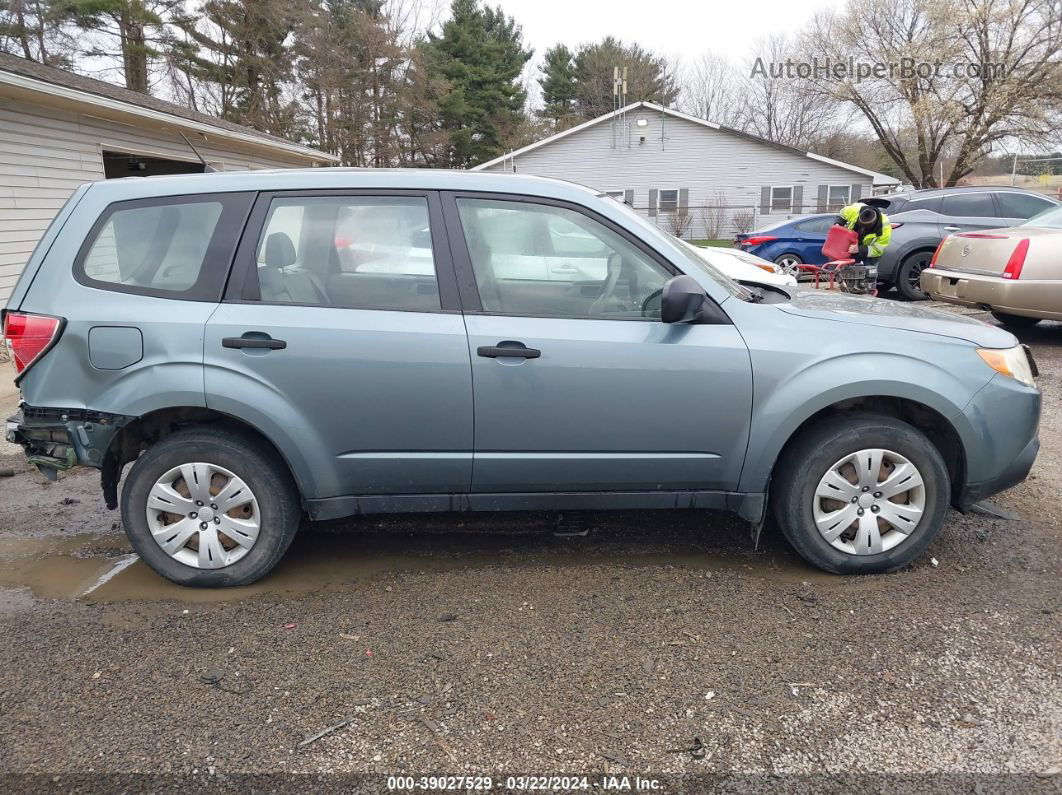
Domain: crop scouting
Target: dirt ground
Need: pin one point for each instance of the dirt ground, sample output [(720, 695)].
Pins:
[(661, 643)]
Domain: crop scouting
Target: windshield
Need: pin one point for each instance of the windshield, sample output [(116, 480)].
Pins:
[(1048, 219), (716, 275)]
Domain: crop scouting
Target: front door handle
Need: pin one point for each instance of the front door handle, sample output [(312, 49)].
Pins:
[(253, 342), (952, 228), (496, 351)]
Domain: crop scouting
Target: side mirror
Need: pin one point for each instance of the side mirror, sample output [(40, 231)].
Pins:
[(682, 300)]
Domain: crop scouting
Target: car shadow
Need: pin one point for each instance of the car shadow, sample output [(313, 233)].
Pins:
[(342, 555)]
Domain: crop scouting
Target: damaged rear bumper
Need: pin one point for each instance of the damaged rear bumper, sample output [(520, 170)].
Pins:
[(57, 439)]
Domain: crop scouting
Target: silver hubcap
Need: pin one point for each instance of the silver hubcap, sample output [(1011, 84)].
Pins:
[(789, 266), (203, 516), (869, 502)]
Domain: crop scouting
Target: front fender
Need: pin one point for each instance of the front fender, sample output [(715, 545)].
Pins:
[(782, 407)]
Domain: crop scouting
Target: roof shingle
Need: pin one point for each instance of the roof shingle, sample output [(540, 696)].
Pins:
[(61, 77)]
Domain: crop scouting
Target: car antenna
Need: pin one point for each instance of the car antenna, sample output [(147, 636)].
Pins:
[(207, 168)]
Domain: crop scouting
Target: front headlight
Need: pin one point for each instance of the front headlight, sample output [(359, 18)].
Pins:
[(1009, 361)]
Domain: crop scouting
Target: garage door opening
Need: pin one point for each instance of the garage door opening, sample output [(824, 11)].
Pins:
[(122, 164)]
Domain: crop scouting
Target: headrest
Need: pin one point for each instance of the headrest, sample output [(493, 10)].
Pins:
[(279, 251)]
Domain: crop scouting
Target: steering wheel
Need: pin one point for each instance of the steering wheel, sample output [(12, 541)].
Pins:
[(651, 304), (608, 289)]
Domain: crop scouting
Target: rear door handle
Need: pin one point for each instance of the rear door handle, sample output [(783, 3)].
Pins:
[(253, 342), (952, 228), (495, 351)]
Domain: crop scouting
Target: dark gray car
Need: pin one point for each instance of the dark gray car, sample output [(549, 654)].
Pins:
[(922, 218), (257, 346)]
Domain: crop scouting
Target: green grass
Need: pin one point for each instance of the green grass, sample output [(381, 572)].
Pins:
[(719, 243)]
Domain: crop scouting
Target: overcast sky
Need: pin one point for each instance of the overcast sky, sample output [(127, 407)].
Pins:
[(678, 29)]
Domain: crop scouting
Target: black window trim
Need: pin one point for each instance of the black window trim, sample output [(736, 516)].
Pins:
[(466, 277), (243, 284), (209, 286)]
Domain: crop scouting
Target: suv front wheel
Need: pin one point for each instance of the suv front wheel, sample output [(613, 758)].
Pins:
[(861, 494), (208, 507)]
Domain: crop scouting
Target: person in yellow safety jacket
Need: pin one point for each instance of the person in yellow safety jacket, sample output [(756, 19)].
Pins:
[(874, 230)]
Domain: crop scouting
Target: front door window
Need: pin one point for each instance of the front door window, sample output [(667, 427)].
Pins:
[(543, 260)]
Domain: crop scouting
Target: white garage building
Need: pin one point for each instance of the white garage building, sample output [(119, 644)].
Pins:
[(59, 130)]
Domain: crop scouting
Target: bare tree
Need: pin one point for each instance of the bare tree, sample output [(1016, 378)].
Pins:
[(777, 106), (679, 222), (709, 90), (996, 75), (744, 219), (713, 215)]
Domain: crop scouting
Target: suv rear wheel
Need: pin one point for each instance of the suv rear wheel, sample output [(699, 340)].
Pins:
[(861, 494), (909, 273), (209, 507)]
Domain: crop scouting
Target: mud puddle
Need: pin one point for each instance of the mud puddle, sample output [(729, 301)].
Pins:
[(340, 555)]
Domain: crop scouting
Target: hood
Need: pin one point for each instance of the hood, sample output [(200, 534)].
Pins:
[(867, 311)]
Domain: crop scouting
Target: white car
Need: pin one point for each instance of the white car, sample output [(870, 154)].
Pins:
[(742, 266)]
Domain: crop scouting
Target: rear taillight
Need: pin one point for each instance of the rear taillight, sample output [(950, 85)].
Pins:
[(755, 241), (30, 337), (933, 262), (1017, 260)]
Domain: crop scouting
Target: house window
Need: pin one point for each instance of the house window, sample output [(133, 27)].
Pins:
[(669, 201), (839, 196), (615, 194), (781, 200)]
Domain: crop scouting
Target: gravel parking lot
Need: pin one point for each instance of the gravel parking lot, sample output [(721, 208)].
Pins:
[(659, 643)]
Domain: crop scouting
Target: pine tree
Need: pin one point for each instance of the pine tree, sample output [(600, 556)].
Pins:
[(480, 55), (134, 25), (239, 49), (647, 77), (33, 29), (351, 65), (558, 85)]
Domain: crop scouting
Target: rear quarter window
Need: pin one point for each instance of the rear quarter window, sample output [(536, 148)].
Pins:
[(179, 247)]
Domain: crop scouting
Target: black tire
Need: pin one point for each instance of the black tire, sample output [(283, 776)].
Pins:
[(808, 458), (1015, 321), (243, 455), (908, 273)]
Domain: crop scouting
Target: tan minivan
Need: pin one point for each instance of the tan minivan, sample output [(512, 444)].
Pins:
[(1016, 273)]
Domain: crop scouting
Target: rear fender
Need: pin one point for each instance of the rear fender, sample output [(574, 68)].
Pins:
[(255, 402)]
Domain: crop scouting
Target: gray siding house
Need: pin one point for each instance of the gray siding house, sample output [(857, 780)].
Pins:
[(59, 130), (694, 177)]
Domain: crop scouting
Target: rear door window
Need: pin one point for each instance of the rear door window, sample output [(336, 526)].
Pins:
[(969, 205), (816, 226), (178, 247), (353, 252)]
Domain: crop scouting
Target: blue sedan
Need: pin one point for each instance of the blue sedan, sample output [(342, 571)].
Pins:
[(790, 243)]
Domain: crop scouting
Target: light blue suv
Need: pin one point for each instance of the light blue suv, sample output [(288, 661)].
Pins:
[(334, 342)]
